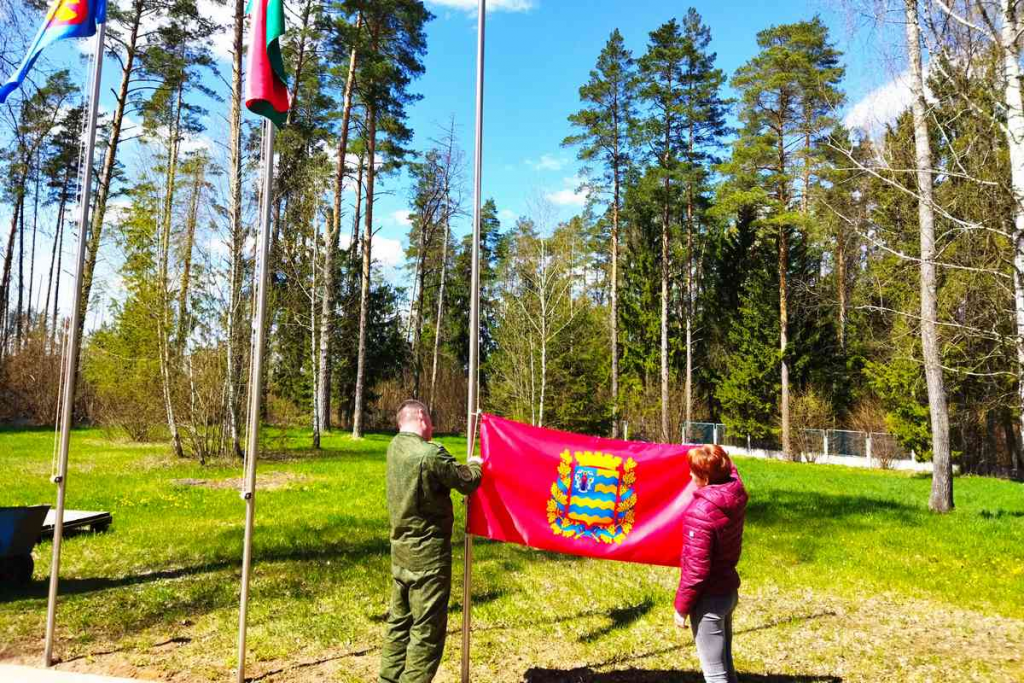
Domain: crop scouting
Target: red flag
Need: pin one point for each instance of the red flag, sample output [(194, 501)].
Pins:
[(581, 495)]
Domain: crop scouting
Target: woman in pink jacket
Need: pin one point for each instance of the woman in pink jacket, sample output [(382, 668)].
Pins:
[(712, 539)]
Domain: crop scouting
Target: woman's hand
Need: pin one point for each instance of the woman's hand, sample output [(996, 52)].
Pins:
[(680, 620)]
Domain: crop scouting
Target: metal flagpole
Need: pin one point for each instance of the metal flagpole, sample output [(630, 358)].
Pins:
[(473, 407), (70, 368), (256, 386)]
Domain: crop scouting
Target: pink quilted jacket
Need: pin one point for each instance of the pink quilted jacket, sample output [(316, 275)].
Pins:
[(712, 540)]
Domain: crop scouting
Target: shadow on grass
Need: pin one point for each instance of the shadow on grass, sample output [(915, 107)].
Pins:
[(810, 519), (800, 508), (621, 617), (312, 663), (177, 640), (456, 606), (616, 661), (997, 514), (788, 620), (586, 675), (344, 554)]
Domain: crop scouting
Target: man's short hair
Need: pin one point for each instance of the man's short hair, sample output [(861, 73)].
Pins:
[(410, 409)]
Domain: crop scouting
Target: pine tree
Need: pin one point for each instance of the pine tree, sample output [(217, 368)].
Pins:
[(661, 72), (605, 141), (59, 164), (704, 111), (787, 92), (395, 42)]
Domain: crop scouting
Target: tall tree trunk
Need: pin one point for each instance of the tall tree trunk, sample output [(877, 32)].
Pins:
[(1011, 54), (613, 312), (805, 199), (784, 198), (58, 243), (664, 316), (166, 359), (364, 295), (5, 281), (109, 165), (841, 286), (191, 221), (417, 323), (689, 310), (333, 239), (784, 334), (664, 276), (440, 305), (314, 356), (235, 319), (353, 245), (942, 478), (32, 251), (19, 320), (543, 371), (691, 144)]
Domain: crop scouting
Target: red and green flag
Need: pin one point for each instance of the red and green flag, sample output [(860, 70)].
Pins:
[(266, 91)]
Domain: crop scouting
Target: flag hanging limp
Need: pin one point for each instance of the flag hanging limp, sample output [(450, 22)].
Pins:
[(581, 495), (266, 91), (64, 19)]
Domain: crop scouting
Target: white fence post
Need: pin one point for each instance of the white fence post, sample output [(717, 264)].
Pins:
[(869, 448), (714, 434), (825, 442)]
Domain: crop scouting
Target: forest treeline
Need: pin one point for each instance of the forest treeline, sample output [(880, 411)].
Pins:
[(742, 256)]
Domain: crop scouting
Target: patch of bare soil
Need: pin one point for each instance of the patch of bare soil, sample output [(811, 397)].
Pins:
[(271, 481)]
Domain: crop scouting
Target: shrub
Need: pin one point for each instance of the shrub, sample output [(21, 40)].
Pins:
[(809, 415)]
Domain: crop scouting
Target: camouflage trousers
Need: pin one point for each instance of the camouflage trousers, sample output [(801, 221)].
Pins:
[(417, 625)]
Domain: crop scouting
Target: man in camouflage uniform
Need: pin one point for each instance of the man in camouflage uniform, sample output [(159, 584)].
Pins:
[(420, 477)]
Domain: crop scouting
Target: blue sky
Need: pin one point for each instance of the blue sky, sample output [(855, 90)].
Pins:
[(538, 54), (541, 51)]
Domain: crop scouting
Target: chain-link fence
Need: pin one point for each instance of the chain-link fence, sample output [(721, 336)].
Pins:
[(810, 444)]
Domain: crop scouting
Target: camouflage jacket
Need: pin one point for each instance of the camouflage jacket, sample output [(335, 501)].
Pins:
[(420, 477)]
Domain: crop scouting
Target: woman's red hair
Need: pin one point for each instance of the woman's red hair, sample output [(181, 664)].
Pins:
[(710, 463)]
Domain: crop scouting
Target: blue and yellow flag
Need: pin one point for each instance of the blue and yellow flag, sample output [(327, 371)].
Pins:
[(65, 19)]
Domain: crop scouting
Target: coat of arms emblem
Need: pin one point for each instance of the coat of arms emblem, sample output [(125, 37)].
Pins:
[(593, 497)]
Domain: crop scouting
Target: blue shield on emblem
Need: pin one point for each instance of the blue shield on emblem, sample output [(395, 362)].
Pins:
[(583, 480)]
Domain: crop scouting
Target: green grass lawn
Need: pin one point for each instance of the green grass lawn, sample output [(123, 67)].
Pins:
[(846, 576)]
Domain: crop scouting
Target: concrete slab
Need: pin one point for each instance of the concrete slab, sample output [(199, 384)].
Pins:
[(25, 674)]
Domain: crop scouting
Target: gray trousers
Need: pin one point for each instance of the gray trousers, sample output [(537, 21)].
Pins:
[(711, 623)]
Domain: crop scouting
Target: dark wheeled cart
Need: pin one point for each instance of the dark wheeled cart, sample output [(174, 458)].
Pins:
[(20, 529)]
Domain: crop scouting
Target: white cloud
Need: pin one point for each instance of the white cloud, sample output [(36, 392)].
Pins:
[(401, 217), (117, 209), (218, 248), (222, 15), (569, 195), (547, 163), (388, 251), (492, 5), (882, 105), (507, 216)]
